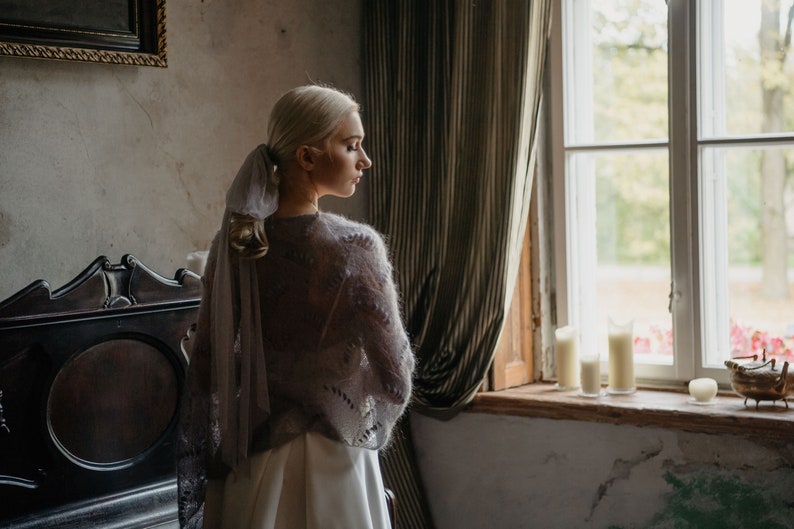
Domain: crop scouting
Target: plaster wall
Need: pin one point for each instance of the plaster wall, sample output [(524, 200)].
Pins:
[(486, 471), (100, 159)]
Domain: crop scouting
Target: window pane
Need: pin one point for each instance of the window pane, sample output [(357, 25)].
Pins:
[(749, 201), (622, 203), (746, 76), (616, 69)]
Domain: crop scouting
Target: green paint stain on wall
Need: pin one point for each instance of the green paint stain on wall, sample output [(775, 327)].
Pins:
[(722, 501)]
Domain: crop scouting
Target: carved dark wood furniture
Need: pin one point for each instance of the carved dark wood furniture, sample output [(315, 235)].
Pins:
[(90, 379)]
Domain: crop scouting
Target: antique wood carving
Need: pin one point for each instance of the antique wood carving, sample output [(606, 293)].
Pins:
[(90, 380)]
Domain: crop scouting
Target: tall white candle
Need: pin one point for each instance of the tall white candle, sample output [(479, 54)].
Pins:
[(567, 357), (621, 358), (591, 375)]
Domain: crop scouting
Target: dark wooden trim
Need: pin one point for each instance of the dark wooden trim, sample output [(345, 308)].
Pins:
[(102, 286), (115, 510)]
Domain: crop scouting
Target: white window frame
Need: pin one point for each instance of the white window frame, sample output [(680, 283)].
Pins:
[(694, 295)]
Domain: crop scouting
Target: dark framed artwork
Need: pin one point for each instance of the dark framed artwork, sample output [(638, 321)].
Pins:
[(109, 31)]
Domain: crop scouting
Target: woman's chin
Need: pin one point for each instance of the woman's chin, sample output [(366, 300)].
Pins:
[(346, 193), (349, 192)]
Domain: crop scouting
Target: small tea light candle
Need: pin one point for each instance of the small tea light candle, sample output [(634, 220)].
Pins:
[(703, 389), (567, 357), (621, 358), (591, 375)]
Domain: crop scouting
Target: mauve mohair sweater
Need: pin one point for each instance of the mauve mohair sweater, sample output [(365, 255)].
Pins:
[(337, 356)]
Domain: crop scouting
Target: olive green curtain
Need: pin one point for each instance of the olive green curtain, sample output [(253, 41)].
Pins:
[(452, 95)]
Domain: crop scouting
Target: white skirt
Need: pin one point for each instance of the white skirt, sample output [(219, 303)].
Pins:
[(311, 482)]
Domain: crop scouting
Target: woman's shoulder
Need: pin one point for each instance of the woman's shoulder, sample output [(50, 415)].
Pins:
[(351, 232), (342, 223)]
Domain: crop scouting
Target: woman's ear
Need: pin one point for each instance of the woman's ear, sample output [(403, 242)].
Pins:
[(305, 157)]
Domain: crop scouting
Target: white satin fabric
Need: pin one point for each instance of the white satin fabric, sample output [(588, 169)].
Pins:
[(311, 482)]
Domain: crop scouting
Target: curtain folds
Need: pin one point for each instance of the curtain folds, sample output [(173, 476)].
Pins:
[(452, 94)]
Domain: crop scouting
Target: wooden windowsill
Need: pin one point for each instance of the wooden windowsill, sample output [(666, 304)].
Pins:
[(646, 407)]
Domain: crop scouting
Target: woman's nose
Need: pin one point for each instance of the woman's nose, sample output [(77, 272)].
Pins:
[(364, 161)]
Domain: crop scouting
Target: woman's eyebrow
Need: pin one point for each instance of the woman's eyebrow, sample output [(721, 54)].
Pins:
[(354, 137)]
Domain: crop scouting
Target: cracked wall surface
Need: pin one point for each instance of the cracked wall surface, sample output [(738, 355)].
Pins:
[(485, 471), (99, 159)]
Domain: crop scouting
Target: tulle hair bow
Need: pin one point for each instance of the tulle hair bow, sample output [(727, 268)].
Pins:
[(241, 408)]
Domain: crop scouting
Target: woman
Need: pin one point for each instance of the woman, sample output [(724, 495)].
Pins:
[(300, 364)]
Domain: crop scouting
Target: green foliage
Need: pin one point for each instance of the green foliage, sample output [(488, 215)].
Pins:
[(629, 93), (633, 203), (630, 71)]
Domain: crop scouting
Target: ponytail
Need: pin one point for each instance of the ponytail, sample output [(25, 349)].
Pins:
[(247, 236)]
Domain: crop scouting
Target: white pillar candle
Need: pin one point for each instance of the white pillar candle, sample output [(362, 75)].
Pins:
[(703, 389), (621, 358), (567, 357), (591, 375), (196, 261)]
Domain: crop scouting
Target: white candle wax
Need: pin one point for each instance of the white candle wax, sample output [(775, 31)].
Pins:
[(703, 389), (567, 356), (621, 358), (196, 261), (591, 375)]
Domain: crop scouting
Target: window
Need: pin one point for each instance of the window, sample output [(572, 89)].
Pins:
[(673, 178)]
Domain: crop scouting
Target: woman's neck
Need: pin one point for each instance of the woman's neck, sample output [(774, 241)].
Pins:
[(294, 209), (297, 196)]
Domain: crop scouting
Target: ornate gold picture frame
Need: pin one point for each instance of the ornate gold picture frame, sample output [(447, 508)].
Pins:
[(108, 31)]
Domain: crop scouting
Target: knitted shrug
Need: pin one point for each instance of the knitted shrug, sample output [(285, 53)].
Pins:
[(337, 355)]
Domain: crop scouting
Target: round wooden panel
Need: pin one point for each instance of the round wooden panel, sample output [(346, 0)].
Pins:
[(112, 402)]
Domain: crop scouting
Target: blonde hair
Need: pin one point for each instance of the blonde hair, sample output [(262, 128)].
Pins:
[(306, 115), (247, 236)]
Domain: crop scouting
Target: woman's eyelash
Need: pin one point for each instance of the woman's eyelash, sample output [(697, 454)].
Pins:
[(352, 147)]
